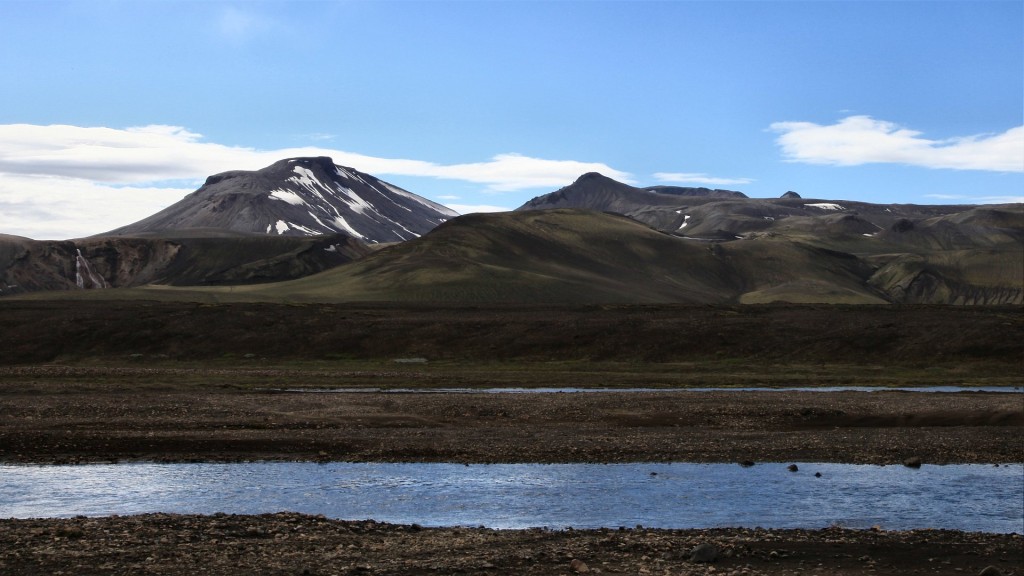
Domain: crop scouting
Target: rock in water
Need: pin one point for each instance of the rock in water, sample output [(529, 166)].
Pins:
[(912, 462), (792, 468)]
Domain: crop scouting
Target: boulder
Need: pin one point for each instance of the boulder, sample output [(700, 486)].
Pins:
[(579, 566), (704, 553)]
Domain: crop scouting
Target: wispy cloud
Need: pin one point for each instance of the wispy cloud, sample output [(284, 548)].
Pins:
[(319, 136), (966, 199), (237, 25), (152, 153), (857, 140), (470, 209), (92, 179), (698, 178)]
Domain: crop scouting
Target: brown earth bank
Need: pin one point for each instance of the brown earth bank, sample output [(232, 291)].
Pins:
[(295, 544), (79, 420)]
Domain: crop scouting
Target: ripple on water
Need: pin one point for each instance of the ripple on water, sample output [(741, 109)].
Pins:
[(969, 497)]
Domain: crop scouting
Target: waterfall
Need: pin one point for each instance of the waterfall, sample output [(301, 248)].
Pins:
[(80, 263)]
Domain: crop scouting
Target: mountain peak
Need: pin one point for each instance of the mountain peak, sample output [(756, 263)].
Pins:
[(303, 196), (591, 177), (324, 162)]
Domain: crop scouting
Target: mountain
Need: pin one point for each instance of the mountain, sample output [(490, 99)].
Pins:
[(692, 246), (958, 254), (654, 205), (294, 218), (723, 215), (191, 258), (570, 256), (299, 197)]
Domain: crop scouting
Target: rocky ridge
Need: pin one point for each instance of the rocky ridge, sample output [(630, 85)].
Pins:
[(201, 258)]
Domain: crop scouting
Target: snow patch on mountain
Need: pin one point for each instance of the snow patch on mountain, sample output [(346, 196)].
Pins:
[(355, 202), (343, 225), (306, 179), (306, 230), (826, 206), (287, 196)]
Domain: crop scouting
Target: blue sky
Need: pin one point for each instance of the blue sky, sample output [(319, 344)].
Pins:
[(113, 109)]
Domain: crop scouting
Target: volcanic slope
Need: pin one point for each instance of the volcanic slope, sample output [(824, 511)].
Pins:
[(200, 257), (655, 206), (724, 215), (947, 254), (575, 256), (299, 197)]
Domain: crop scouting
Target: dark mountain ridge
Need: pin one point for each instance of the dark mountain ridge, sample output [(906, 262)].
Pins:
[(653, 205), (607, 243), (194, 258), (570, 256), (723, 215)]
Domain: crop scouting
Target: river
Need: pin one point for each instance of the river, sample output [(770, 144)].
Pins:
[(971, 497)]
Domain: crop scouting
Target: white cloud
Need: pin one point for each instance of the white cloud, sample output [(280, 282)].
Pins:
[(56, 208), (470, 209), (511, 172), (150, 153), (698, 178), (67, 181), (857, 140)]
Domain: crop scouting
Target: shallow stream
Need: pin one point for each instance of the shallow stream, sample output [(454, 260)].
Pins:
[(970, 497)]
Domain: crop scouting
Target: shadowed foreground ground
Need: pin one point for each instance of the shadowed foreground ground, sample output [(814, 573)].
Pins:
[(294, 544), (62, 414), (87, 382)]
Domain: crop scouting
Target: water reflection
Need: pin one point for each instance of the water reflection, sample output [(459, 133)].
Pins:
[(678, 495)]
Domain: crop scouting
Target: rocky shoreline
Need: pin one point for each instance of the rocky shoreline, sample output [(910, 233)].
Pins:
[(91, 423), (294, 544)]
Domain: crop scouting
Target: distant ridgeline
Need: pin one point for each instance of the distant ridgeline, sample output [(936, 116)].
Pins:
[(594, 241)]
